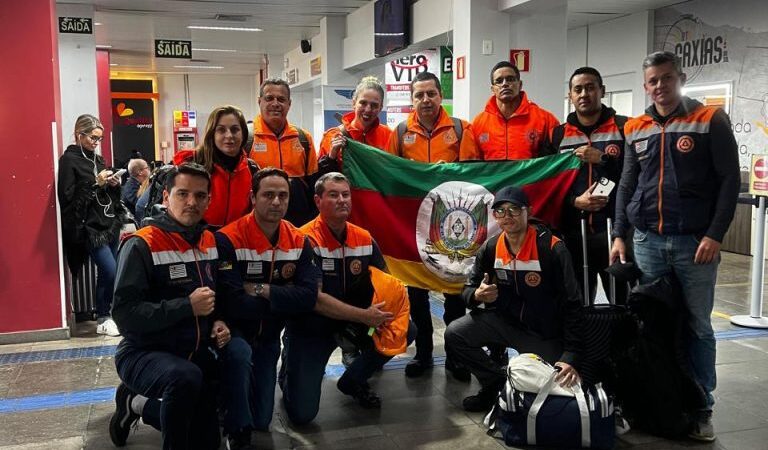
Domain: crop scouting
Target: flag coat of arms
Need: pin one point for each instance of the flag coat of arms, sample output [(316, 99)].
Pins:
[(430, 219)]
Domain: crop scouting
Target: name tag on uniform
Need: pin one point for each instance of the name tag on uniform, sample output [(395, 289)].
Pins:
[(409, 138), (253, 268), (177, 271), (501, 274), (641, 146), (259, 146), (328, 265)]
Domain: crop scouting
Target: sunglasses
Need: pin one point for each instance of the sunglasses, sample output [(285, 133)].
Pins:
[(512, 211)]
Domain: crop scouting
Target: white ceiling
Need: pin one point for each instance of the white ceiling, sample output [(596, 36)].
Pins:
[(131, 26)]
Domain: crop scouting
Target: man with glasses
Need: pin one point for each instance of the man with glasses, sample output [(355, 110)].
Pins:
[(511, 126), (523, 294), (139, 172)]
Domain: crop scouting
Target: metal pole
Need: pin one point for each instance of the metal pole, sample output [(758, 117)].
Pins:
[(756, 319), (585, 266)]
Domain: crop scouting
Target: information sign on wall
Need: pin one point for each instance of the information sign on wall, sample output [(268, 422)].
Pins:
[(77, 25), (165, 48)]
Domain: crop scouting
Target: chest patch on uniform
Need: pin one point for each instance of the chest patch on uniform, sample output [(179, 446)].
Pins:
[(328, 265), (297, 145), (641, 146), (532, 279), (288, 270), (532, 137), (483, 138), (177, 271), (613, 150), (449, 137), (685, 144), (253, 268), (501, 274), (259, 146), (225, 265), (409, 138), (355, 267)]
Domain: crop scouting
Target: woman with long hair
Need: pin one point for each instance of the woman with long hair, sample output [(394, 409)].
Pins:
[(222, 153), (89, 195)]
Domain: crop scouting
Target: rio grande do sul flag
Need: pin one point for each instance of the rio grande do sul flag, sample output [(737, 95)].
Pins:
[(430, 219)]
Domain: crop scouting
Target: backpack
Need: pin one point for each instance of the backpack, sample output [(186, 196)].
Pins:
[(157, 184), (402, 127), (301, 206)]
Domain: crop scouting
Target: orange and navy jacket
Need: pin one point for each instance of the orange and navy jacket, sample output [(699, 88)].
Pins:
[(248, 258), (439, 145), (284, 152), (342, 265), (377, 136), (522, 136), (230, 191), (159, 266), (537, 288), (681, 175), (391, 338), (606, 136)]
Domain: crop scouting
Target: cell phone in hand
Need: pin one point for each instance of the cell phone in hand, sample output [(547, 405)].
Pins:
[(119, 173), (604, 187)]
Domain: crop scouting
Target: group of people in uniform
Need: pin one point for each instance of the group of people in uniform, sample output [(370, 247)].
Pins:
[(253, 258)]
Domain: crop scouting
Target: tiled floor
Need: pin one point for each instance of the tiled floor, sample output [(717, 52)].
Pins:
[(63, 400)]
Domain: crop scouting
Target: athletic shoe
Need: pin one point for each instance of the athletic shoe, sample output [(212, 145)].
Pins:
[(108, 327), (701, 428), (239, 441), (124, 417)]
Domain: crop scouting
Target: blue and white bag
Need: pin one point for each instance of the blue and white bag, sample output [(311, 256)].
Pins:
[(533, 409)]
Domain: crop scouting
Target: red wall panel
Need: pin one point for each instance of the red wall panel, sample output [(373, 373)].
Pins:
[(30, 294)]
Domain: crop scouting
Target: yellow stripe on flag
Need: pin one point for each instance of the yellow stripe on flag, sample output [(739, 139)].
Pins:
[(416, 275)]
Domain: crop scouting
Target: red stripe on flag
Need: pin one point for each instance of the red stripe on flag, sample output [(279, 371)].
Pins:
[(391, 221), (547, 196)]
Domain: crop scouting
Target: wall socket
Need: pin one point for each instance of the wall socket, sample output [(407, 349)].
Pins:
[(487, 47)]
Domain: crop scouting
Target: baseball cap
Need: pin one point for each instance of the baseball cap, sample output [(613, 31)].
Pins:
[(511, 194)]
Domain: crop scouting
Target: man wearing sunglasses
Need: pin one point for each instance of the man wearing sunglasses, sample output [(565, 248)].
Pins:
[(511, 126), (523, 294)]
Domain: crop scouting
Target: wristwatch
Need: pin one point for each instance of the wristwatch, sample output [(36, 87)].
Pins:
[(258, 290)]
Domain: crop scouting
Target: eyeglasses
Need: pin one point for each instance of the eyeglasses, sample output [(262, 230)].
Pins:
[(505, 80), (512, 211), (95, 139)]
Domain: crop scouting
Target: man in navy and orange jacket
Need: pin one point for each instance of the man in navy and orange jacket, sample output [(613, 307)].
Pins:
[(266, 274)]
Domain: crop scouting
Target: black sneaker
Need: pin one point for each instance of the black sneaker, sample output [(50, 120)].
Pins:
[(461, 373), (124, 417), (500, 357), (361, 392), (417, 367), (240, 440), (482, 401)]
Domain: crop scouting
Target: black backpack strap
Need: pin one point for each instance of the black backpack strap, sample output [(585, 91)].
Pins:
[(620, 121), (304, 143), (557, 137), (458, 128), (402, 127), (252, 166), (544, 246)]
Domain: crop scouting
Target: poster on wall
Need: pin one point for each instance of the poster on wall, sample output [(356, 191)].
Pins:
[(133, 127), (724, 49), (400, 72), (336, 100)]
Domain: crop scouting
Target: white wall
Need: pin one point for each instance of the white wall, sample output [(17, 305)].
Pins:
[(616, 48), (206, 92)]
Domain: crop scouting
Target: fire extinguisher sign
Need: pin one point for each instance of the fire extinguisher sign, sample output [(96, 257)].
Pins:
[(521, 58)]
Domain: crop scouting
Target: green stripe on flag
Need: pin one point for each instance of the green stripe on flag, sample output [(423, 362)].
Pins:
[(375, 170)]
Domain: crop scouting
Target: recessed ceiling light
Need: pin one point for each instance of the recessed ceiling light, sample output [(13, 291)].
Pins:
[(225, 50), (103, 46), (198, 67), (97, 23), (200, 27)]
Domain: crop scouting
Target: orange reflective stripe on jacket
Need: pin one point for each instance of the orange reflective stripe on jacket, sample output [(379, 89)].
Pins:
[(518, 137), (377, 136), (439, 145), (392, 338), (285, 152)]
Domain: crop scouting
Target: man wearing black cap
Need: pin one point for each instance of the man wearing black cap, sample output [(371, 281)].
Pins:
[(523, 294)]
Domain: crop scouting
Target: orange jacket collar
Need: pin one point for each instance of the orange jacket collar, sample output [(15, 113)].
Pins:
[(528, 251), (492, 108), (262, 129), (443, 121)]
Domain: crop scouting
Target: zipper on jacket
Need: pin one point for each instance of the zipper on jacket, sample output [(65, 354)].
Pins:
[(271, 270), (197, 322), (661, 182), (280, 151), (506, 139), (429, 146)]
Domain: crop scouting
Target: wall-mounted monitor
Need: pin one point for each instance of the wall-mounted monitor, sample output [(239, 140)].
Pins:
[(391, 26)]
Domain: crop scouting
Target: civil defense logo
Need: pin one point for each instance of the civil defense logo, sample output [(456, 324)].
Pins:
[(451, 225)]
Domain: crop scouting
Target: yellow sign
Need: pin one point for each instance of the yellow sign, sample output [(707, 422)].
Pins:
[(315, 67), (758, 175)]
